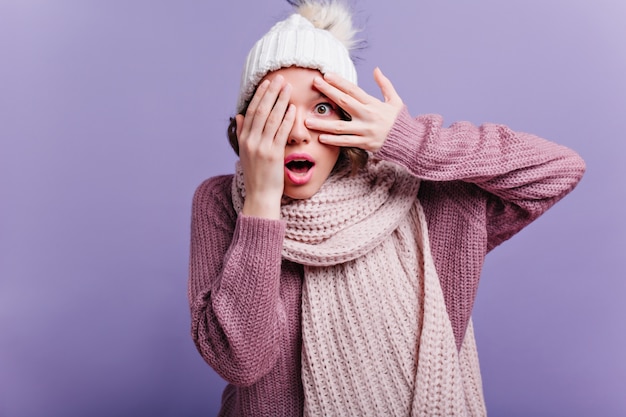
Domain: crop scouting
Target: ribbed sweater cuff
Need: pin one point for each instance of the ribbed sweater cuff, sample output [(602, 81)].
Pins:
[(403, 140), (263, 237)]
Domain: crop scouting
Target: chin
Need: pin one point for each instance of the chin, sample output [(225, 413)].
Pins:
[(301, 193)]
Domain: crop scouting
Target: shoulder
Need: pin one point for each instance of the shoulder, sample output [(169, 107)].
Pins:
[(214, 195), (220, 184)]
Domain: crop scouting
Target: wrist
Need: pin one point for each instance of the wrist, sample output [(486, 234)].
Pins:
[(261, 206)]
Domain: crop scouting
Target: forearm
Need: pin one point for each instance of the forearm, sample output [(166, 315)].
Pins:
[(234, 294), (520, 175), (517, 167)]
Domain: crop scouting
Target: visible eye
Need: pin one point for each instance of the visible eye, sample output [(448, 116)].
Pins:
[(323, 109)]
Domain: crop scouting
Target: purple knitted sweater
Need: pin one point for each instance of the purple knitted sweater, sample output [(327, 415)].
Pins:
[(480, 185)]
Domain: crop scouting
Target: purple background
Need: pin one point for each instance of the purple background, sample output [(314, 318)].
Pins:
[(112, 112)]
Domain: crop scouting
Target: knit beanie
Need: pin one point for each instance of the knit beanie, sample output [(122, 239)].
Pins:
[(319, 35)]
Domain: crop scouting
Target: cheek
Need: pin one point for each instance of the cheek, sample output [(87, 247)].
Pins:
[(332, 155)]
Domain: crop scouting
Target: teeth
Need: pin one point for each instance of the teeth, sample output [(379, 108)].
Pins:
[(300, 161)]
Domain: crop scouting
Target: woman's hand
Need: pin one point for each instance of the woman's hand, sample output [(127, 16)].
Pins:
[(262, 134), (372, 118)]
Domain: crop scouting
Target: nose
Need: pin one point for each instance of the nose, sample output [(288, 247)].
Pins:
[(299, 132)]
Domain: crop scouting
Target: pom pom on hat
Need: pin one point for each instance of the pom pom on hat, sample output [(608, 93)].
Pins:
[(319, 36)]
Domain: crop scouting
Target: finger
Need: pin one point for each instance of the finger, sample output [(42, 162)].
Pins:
[(347, 87), (335, 127), (254, 102), (344, 141), (340, 98), (285, 127), (277, 114), (266, 104), (386, 87)]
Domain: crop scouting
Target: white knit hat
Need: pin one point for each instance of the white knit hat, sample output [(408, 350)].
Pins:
[(317, 36)]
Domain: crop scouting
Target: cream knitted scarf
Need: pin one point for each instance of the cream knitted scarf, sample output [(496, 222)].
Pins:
[(377, 339)]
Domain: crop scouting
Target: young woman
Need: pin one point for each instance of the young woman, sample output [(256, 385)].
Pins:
[(335, 272)]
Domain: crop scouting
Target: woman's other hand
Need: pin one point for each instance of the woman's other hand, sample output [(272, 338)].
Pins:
[(371, 118)]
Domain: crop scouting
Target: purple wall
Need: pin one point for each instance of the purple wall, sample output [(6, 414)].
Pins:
[(111, 113)]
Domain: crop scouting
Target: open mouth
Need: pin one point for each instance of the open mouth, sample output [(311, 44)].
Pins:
[(299, 168)]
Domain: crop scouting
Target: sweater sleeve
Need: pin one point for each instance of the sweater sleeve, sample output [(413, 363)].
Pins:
[(522, 174), (233, 286)]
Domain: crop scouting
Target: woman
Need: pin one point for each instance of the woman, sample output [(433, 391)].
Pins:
[(334, 273)]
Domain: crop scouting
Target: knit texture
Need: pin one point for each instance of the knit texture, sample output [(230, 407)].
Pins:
[(317, 36), (479, 186), (376, 336)]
